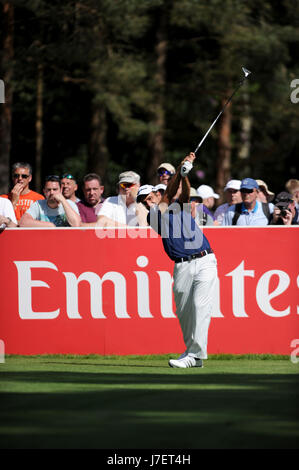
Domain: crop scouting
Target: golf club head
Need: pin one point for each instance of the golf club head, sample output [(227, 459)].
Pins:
[(246, 72)]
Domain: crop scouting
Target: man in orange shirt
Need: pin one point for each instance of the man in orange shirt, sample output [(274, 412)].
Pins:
[(21, 195)]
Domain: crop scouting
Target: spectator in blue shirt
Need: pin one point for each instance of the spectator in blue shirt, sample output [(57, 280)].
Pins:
[(250, 212)]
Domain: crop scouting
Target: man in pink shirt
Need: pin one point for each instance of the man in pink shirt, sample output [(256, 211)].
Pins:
[(93, 200)]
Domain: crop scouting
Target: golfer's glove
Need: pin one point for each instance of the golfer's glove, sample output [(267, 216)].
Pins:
[(186, 167)]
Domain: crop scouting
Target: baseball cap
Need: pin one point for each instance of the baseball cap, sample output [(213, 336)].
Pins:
[(205, 191), (284, 197), (145, 190), (249, 183), (262, 183), (233, 184), (167, 166), (160, 186), (129, 177)]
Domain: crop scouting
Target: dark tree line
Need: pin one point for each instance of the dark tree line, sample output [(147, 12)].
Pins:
[(109, 85)]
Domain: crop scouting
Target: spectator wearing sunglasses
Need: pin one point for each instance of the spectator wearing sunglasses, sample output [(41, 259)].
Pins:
[(251, 211), (232, 196), (165, 173), (55, 211), (69, 187), (21, 196), (90, 207), (122, 210)]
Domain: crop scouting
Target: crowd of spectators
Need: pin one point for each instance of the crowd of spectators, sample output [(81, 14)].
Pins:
[(249, 202)]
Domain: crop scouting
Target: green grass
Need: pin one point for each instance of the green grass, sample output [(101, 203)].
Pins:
[(138, 402)]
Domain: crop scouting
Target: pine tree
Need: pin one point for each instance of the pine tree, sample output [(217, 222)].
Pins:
[(6, 108)]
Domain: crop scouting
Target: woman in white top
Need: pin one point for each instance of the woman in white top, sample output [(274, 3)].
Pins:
[(7, 214)]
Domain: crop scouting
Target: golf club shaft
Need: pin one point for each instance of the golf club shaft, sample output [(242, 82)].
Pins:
[(222, 110)]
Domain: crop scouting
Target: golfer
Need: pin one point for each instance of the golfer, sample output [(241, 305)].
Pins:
[(195, 268)]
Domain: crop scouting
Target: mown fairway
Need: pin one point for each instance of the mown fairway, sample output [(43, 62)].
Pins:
[(139, 402)]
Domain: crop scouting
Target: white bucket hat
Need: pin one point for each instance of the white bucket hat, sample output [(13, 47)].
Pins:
[(205, 191)]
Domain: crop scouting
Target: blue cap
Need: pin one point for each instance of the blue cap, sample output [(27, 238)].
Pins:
[(249, 183)]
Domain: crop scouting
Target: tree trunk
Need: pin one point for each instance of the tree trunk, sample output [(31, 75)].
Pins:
[(6, 108), (224, 151), (39, 127), (245, 136), (156, 138), (98, 152)]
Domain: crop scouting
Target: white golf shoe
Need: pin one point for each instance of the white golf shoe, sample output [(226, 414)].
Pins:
[(185, 362)]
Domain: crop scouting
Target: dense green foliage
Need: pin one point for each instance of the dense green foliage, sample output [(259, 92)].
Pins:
[(128, 83)]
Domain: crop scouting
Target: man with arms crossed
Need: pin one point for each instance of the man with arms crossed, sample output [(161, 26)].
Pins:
[(195, 268), (55, 211)]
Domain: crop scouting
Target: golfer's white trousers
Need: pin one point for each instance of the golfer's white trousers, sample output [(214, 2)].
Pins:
[(194, 288)]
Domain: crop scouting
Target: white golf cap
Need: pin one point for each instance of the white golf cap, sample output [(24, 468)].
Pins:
[(233, 184), (145, 190), (160, 186), (129, 177), (168, 167), (205, 191)]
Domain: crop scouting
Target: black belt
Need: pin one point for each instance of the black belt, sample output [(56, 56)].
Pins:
[(195, 255)]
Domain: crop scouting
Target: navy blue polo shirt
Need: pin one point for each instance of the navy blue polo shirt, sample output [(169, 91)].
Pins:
[(181, 236)]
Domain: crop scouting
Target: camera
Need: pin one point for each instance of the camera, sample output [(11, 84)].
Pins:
[(282, 206), (282, 202)]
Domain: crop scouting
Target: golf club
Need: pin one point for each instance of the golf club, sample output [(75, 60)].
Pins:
[(246, 73)]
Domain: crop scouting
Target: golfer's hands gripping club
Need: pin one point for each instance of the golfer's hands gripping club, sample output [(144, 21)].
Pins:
[(187, 164)]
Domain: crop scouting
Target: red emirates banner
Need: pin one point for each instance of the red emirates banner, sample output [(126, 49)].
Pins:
[(87, 291)]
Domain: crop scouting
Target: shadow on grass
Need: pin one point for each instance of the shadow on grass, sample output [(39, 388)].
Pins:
[(135, 411)]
